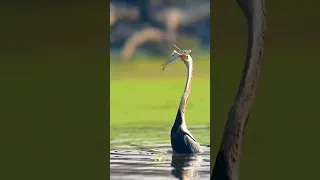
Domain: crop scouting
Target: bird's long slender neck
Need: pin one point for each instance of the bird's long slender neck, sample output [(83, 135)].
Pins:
[(180, 119), (227, 161), (186, 92)]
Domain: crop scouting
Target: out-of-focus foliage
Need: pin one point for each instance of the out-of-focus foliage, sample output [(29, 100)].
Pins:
[(154, 25)]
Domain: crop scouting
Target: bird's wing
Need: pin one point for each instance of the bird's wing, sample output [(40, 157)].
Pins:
[(187, 132), (192, 143)]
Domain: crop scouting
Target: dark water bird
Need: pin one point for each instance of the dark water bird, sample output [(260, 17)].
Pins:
[(227, 159), (182, 141)]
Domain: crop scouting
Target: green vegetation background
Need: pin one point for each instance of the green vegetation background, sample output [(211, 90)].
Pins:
[(54, 91), (144, 99)]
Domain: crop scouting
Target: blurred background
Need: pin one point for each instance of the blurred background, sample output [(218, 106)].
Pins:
[(143, 98), (281, 141), (54, 90), (150, 27)]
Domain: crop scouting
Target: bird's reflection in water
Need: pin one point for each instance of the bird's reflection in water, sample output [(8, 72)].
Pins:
[(185, 166)]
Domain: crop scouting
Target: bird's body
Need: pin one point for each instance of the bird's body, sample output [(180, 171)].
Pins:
[(182, 141)]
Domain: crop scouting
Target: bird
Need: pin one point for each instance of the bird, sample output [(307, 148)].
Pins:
[(182, 141), (227, 159)]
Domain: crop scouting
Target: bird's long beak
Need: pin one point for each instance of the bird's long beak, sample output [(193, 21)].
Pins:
[(175, 56)]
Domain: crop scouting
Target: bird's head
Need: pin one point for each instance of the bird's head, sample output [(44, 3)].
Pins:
[(183, 55)]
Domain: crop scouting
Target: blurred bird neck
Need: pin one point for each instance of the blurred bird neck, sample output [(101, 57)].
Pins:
[(240, 111), (185, 95)]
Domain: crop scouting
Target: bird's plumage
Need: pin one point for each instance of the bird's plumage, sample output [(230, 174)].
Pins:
[(182, 141)]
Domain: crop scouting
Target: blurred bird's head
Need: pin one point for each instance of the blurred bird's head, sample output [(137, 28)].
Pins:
[(183, 55)]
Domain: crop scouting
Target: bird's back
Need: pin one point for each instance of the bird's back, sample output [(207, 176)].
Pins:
[(182, 142)]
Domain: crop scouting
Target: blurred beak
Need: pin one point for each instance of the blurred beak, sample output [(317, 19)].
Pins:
[(174, 57)]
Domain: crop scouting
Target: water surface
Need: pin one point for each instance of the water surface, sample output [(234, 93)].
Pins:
[(131, 161)]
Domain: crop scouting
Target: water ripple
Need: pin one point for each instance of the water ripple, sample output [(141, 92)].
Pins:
[(138, 162)]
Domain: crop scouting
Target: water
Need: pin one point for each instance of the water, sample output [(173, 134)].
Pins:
[(155, 161)]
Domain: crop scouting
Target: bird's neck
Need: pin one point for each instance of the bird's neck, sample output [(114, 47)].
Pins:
[(186, 92), (180, 118), (230, 150)]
